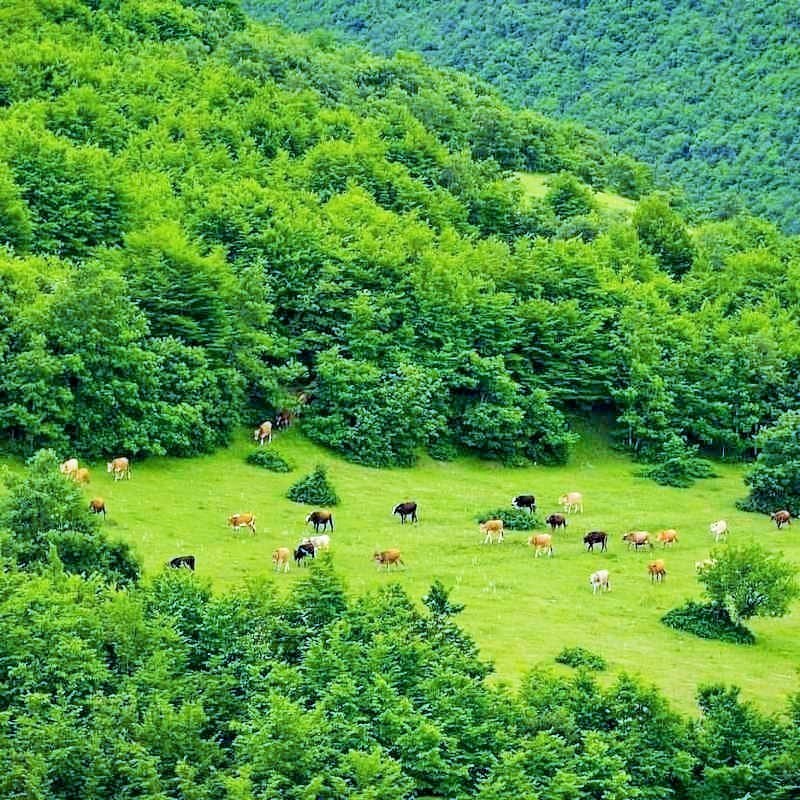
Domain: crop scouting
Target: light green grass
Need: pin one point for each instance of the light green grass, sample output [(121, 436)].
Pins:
[(536, 185), (522, 611)]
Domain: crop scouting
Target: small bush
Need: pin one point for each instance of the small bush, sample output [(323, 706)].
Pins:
[(678, 464), (269, 459), (708, 621), (514, 519), (581, 657), (314, 489)]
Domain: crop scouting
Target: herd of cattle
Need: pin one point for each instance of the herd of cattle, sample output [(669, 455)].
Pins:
[(492, 530)]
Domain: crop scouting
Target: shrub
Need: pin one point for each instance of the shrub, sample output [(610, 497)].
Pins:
[(314, 489), (514, 519), (581, 657), (269, 459), (709, 621), (678, 465)]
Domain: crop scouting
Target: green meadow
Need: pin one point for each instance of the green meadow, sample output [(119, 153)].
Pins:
[(521, 610)]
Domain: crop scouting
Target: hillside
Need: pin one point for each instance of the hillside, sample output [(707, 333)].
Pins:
[(703, 91)]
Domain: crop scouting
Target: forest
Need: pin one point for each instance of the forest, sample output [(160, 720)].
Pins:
[(703, 91)]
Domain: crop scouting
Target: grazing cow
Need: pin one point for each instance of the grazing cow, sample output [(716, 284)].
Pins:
[(637, 539), (781, 518), (243, 520), (600, 580), (572, 501), (492, 530), (320, 518), (263, 432), (69, 467), (596, 537), (321, 542), (280, 558), (98, 506), (387, 558), (702, 566), (557, 521), (120, 467), (81, 475), (657, 571), (541, 542), (304, 550), (406, 510), (284, 419), (525, 501), (669, 536), (719, 529), (179, 562)]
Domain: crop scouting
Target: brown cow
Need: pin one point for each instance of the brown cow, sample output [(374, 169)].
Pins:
[(492, 530), (120, 467), (81, 475), (98, 506), (243, 520), (319, 519), (637, 539), (557, 521), (669, 536), (388, 557), (781, 518), (542, 542), (657, 571), (263, 432), (280, 558)]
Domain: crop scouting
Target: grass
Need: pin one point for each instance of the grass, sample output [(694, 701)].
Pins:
[(522, 611), (536, 185)]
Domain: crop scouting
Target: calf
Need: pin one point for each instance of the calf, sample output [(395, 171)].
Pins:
[(98, 506), (492, 530), (304, 550), (320, 518), (387, 558), (781, 518), (600, 580), (557, 521), (280, 558), (542, 543), (525, 501), (243, 520), (657, 571), (666, 537), (719, 529), (406, 510), (637, 539), (178, 562), (596, 537)]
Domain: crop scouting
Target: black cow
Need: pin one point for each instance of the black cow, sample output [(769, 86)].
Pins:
[(406, 510), (317, 518), (304, 550), (596, 537), (525, 501), (557, 521), (181, 561)]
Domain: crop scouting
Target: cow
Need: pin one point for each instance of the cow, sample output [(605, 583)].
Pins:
[(781, 518), (668, 536), (387, 558), (492, 530), (541, 542), (284, 419), (525, 501), (572, 501), (718, 529), (98, 506), (406, 510), (321, 542), (600, 580), (69, 467), (657, 571), (263, 432), (119, 467), (304, 550), (637, 539), (243, 520), (280, 558), (186, 562), (702, 566), (81, 475), (557, 521), (596, 537), (320, 518)]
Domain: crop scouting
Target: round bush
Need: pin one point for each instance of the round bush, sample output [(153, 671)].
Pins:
[(314, 489), (708, 621), (269, 459), (581, 657), (514, 519)]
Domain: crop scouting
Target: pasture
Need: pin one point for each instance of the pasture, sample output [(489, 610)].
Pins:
[(521, 610)]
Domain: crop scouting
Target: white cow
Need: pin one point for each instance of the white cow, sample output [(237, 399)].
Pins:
[(600, 580), (572, 501), (719, 529), (321, 542)]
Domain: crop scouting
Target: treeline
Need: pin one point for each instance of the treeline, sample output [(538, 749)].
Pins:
[(700, 90), (203, 216)]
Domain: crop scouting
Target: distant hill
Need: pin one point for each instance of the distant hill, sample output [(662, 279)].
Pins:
[(704, 90)]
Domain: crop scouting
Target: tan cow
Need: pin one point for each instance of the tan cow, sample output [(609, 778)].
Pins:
[(492, 530), (388, 557), (669, 536), (119, 467), (571, 501), (637, 539), (243, 520), (81, 475), (263, 432), (280, 558), (657, 571), (69, 467), (542, 543)]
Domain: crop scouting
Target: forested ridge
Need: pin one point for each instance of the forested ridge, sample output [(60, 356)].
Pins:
[(203, 216), (703, 91)]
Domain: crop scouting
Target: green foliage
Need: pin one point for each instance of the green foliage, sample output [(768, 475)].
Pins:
[(678, 465), (269, 459), (514, 519), (708, 621), (314, 489), (581, 657), (568, 197), (664, 234), (747, 581)]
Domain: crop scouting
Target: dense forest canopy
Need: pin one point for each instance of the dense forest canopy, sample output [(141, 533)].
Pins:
[(203, 216), (705, 91)]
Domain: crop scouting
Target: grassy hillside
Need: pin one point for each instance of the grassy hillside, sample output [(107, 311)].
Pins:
[(522, 611), (701, 90)]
